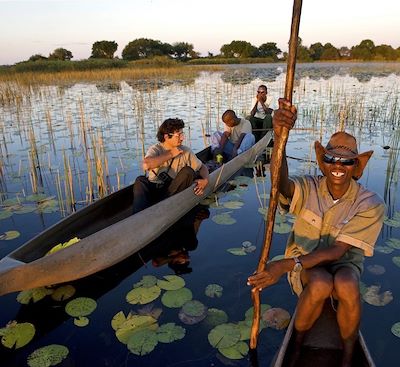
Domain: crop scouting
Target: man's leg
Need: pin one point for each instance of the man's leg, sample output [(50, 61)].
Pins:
[(183, 180), (247, 142), (318, 287), (267, 124), (346, 285), (256, 123), (143, 194)]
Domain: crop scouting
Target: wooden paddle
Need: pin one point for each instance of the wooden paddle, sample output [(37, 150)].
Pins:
[(275, 173)]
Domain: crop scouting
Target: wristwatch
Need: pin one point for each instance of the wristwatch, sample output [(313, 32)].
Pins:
[(298, 266)]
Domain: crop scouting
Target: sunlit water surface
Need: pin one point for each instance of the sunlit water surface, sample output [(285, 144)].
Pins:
[(118, 122)]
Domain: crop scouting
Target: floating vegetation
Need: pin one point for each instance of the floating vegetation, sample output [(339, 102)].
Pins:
[(384, 249), (376, 269), (276, 318), (233, 204), (63, 293), (394, 243), (177, 298), (214, 291), (34, 295), (396, 329), (374, 298), (216, 317), (247, 248), (192, 312), (147, 281), (224, 219), (170, 332), (143, 295), (396, 260), (9, 235), (16, 335), (50, 355), (62, 246), (171, 283), (79, 308), (394, 221)]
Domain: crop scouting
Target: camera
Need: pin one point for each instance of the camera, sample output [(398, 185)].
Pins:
[(165, 179)]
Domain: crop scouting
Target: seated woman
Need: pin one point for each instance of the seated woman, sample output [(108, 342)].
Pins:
[(236, 138)]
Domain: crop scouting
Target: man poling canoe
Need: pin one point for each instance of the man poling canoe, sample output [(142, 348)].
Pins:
[(337, 224)]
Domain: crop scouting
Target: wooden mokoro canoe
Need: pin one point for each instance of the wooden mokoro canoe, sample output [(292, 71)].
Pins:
[(108, 231), (322, 345)]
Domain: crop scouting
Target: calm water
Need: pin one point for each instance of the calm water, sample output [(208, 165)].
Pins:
[(120, 121)]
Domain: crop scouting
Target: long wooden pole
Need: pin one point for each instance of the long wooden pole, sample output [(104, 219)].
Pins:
[(276, 168)]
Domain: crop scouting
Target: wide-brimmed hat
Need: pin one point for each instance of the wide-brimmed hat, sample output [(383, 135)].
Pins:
[(343, 145)]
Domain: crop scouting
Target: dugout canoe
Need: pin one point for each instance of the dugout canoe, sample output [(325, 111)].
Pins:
[(322, 345), (108, 231)]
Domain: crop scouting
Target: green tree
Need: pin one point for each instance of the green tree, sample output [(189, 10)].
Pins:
[(37, 57), (330, 52), (363, 51), (316, 50), (61, 54), (184, 51), (269, 49), (385, 52), (104, 49), (142, 48), (303, 53), (239, 49)]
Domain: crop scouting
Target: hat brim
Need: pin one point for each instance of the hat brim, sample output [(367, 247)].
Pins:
[(362, 159)]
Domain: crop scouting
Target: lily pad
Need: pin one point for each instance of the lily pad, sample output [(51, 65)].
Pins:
[(194, 308), (237, 251), (394, 243), (233, 204), (376, 269), (49, 355), (142, 342), (81, 321), (81, 306), (134, 324), (384, 249), (16, 335), (214, 290), (35, 294), (63, 293), (9, 235), (177, 298), (245, 329), (36, 197), (250, 249), (170, 332), (396, 260), (25, 209), (224, 219), (147, 281), (276, 318), (224, 335), (118, 320), (396, 329), (237, 351), (374, 298), (216, 317), (250, 311), (150, 310), (4, 214), (171, 283), (191, 320), (277, 257), (142, 295)]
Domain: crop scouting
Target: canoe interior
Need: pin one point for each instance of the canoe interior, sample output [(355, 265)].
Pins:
[(322, 345), (91, 219)]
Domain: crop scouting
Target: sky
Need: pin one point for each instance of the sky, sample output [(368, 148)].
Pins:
[(29, 27)]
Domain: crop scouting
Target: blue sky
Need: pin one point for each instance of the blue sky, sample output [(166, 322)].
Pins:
[(36, 26)]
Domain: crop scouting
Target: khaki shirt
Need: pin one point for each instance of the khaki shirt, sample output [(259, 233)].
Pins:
[(244, 127), (187, 158), (355, 219)]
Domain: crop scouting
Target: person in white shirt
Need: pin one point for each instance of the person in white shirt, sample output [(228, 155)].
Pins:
[(236, 138), (261, 113)]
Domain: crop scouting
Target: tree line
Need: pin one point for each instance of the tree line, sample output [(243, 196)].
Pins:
[(144, 48)]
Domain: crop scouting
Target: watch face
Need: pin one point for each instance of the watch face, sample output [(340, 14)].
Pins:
[(297, 267)]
